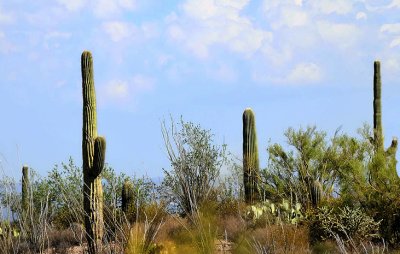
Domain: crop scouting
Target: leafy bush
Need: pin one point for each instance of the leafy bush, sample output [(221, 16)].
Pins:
[(349, 224), (196, 164)]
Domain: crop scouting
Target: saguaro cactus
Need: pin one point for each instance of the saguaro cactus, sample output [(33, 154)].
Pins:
[(128, 205), (25, 190), (378, 131), (251, 165), (93, 154), (378, 139), (316, 193)]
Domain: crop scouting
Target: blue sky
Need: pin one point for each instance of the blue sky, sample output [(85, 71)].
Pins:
[(295, 62)]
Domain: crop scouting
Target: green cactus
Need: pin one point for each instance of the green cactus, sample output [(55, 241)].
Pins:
[(378, 139), (93, 154), (128, 205), (316, 193), (378, 132), (25, 190), (251, 168)]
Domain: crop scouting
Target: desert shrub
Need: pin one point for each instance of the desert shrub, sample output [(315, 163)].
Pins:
[(61, 240), (142, 235), (349, 224), (231, 227), (196, 164), (293, 174), (278, 239)]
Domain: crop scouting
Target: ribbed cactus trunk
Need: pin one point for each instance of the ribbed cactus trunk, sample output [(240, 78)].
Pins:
[(316, 193), (251, 165), (93, 156), (378, 131), (128, 206), (25, 191)]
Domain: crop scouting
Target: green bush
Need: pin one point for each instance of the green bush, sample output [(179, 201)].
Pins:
[(349, 224)]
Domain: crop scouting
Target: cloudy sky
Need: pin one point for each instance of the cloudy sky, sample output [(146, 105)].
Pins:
[(295, 62)]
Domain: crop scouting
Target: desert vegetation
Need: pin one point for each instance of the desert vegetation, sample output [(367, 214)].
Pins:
[(317, 194)]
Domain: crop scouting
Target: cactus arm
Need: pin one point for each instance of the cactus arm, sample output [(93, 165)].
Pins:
[(99, 156)]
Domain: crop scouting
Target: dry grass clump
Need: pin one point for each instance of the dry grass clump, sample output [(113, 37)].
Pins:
[(277, 239)]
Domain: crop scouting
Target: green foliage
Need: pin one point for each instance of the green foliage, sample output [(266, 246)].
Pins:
[(349, 224), (293, 174), (251, 164), (196, 164)]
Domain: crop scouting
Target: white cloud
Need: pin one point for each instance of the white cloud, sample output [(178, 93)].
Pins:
[(119, 31), (395, 4), (333, 6), (390, 28), (361, 15), (206, 23), (392, 65), (291, 18), (298, 2), (101, 8), (341, 35), (395, 42), (117, 89), (373, 5), (124, 90), (305, 73), (73, 5), (301, 74)]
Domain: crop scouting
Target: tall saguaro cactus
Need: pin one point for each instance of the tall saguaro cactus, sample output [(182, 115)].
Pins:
[(378, 139), (251, 165), (93, 154), (378, 131), (25, 190)]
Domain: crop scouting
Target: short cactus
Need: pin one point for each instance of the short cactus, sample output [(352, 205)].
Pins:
[(128, 205), (316, 193), (251, 165), (25, 190)]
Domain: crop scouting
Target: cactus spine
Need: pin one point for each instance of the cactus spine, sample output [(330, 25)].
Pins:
[(251, 165), (25, 190), (93, 154), (128, 205)]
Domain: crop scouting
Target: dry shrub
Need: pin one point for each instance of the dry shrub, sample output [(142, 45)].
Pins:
[(171, 229), (232, 227), (62, 239), (276, 239)]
